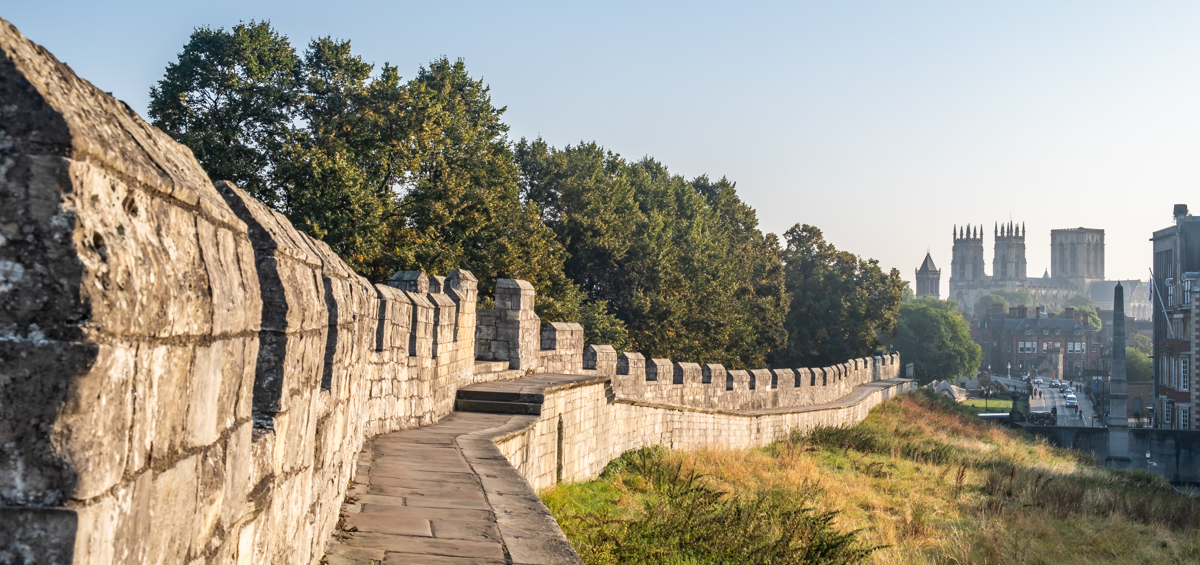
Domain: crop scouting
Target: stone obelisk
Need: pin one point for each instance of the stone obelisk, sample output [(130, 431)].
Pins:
[(1118, 397)]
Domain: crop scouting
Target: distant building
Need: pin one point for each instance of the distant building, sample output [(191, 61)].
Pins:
[(1077, 268), (1077, 255), (929, 279), (1176, 303), (1025, 341)]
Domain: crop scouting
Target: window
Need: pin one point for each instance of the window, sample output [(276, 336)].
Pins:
[(1168, 408), (1183, 374), (1083, 347), (1175, 373), (1183, 418), (1070, 347)]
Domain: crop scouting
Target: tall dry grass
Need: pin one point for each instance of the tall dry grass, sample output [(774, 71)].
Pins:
[(923, 481)]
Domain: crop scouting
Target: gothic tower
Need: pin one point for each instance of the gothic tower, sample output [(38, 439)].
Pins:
[(1008, 260), (929, 279), (1077, 255), (967, 279)]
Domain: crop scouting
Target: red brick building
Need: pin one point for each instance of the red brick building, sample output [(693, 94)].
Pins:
[(1037, 345)]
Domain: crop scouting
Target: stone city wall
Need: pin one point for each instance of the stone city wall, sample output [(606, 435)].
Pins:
[(186, 378), (581, 428), (712, 386)]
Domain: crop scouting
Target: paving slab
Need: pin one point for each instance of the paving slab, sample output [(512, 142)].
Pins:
[(431, 495)]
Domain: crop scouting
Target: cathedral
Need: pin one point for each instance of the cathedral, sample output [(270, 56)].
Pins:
[(1076, 267)]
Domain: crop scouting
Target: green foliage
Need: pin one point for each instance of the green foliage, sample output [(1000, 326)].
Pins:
[(682, 264), (934, 337), (1138, 367), (840, 303), (1089, 316), (681, 517), (231, 97), (1140, 342), (393, 175), (1003, 298), (1081, 301), (908, 293)]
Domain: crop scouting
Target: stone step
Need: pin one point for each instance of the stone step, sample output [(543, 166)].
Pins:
[(490, 367), (497, 407), (497, 394)]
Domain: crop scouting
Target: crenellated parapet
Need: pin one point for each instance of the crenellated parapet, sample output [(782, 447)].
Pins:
[(185, 377), (711, 386)]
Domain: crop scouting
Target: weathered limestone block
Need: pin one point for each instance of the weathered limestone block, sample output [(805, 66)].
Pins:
[(517, 324), (689, 377), (561, 348), (600, 358), (717, 382), (462, 287), (445, 315), (659, 387), (411, 281), (437, 284), (630, 381)]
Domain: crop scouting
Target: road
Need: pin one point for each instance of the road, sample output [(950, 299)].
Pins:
[(1066, 416)]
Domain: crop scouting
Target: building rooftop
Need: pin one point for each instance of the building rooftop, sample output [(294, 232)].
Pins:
[(927, 265)]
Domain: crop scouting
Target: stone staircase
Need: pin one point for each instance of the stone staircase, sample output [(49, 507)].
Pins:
[(498, 395), (519, 397)]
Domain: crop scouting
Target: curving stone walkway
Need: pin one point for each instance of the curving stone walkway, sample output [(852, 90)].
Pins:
[(444, 494)]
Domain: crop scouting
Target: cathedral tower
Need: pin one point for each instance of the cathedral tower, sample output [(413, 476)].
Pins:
[(1077, 255), (966, 266), (1008, 260), (929, 279)]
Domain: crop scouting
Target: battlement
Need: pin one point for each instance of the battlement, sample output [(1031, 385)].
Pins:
[(188, 378), (968, 234), (1011, 232)]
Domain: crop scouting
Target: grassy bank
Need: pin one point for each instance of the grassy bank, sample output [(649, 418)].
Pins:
[(979, 405), (919, 481)]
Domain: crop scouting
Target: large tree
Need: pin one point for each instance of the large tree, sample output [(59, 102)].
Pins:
[(682, 263), (393, 174), (934, 337), (1138, 368), (840, 302)]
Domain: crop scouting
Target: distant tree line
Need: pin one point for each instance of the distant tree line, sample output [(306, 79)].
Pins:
[(420, 174)]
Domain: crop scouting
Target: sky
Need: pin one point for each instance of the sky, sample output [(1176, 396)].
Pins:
[(882, 123)]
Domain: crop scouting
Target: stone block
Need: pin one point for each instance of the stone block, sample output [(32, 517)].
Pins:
[(659, 370), (411, 281), (514, 294), (600, 358), (437, 284)]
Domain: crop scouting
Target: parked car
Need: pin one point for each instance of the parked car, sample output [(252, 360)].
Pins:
[(1042, 419)]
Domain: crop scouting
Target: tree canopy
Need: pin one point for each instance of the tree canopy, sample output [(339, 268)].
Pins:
[(1138, 367), (419, 174), (681, 263), (1004, 299), (840, 302), (1140, 343), (934, 337)]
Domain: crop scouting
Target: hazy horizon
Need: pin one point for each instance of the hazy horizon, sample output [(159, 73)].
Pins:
[(882, 124)]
